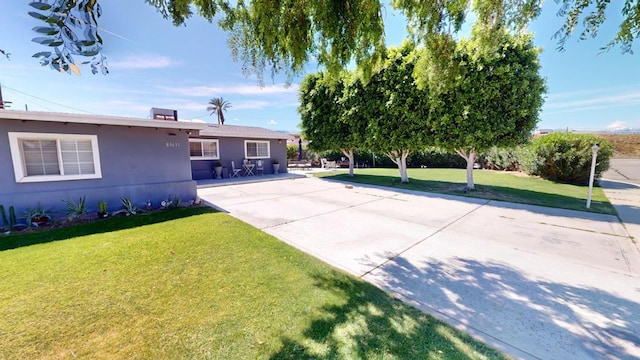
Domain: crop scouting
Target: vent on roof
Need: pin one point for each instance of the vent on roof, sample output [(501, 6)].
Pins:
[(164, 114)]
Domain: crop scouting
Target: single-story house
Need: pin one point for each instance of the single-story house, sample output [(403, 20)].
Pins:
[(226, 143), (48, 157)]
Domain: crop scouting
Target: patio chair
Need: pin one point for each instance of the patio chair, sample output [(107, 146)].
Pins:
[(236, 171), (259, 167)]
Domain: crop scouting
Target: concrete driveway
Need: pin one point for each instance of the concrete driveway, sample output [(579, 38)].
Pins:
[(625, 170), (534, 282)]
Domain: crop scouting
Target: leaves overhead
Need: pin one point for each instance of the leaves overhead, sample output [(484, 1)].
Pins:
[(282, 36), (70, 35), (495, 98), (590, 15)]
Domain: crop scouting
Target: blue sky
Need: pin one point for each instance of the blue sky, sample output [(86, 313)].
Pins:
[(154, 64)]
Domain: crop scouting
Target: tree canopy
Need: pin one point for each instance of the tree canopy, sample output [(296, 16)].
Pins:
[(281, 36), (218, 106), (386, 114), (397, 109), (327, 115), (494, 100)]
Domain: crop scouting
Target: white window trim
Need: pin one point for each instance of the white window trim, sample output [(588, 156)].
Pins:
[(19, 165), (206, 157), (246, 156)]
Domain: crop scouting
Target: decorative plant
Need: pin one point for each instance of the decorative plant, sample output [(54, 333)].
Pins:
[(217, 164), (171, 203), (37, 215), (129, 208), (76, 210), (5, 221), (102, 208), (275, 162), (12, 217)]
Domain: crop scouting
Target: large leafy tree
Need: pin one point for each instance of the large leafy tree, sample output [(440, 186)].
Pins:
[(397, 109), (218, 106), (281, 36), (327, 114), (494, 99)]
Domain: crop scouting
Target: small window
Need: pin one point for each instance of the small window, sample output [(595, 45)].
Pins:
[(54, 157), (204, 149), (255, 149)]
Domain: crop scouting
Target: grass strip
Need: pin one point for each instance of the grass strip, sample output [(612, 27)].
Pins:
[(490, 185)]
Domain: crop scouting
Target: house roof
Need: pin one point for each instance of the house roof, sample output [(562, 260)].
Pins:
[(246, 132), (97, 119)]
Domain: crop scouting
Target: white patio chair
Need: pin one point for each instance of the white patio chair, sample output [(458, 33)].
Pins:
[(235, 172), (259, 167)]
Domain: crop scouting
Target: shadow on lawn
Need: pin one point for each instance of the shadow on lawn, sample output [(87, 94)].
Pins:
[(18, 240), (434, 188), (367, 325), (538, 317)]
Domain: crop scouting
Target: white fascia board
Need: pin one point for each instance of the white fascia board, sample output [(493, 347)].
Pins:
[(98, 120)]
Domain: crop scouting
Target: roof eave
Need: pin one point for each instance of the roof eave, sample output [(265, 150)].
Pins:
[(98, 120)]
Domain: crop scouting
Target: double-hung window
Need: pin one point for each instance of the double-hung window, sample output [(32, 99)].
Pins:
[(40, 157), (204, 149), (256, 149)]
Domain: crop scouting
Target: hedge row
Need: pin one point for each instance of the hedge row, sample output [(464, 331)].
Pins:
[(562, 157)]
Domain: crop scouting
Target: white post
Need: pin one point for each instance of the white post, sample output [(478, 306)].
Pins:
[(594, 152)]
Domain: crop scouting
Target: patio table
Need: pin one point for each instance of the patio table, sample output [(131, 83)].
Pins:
[(248, 169)]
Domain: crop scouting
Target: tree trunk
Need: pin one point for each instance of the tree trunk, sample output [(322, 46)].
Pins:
[(400, 158), (470, 156), (349, 154)]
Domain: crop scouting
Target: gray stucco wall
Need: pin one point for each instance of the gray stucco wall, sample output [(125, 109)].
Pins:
[(143, 164), (232, 149)]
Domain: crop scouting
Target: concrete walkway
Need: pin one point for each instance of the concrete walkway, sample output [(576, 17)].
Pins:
[(535, 282), (621, 184)]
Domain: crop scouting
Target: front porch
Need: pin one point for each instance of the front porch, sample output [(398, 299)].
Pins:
[(205, 183)]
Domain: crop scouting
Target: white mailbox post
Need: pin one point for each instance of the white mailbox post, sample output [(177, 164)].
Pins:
[(594, 152)]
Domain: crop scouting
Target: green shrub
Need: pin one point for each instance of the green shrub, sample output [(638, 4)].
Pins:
[(5, 221), (360, 157), (565, 157), (436, 158), (292, 152), (501, 159)]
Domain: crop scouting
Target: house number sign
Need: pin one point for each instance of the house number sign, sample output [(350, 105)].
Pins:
[(173, 144)]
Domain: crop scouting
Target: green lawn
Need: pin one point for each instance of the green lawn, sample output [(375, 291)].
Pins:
[(198, 284), (493, 185)]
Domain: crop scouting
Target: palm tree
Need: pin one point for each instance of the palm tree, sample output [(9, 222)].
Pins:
[(218, 105)]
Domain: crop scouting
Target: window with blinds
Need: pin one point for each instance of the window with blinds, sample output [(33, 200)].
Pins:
[(254, 149), (203, 149), (52, 157)]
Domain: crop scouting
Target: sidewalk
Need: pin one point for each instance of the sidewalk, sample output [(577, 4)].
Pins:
[(621, 185)]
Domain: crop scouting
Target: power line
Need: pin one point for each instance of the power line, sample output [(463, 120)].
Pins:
[(49, 101)]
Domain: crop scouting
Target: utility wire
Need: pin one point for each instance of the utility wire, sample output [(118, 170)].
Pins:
[(49, 101)]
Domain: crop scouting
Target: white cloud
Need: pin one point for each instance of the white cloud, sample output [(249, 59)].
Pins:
[(142, 62), (251, 104), (193, 121), (237, 89), (272, 122), (617, 125), (585, 103)]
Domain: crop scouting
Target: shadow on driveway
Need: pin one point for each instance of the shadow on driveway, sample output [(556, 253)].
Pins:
[(539, 318)]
